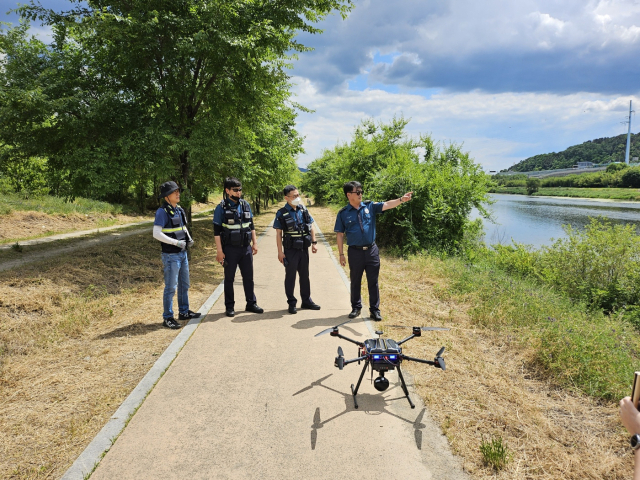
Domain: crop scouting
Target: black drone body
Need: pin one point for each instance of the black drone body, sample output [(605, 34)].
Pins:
[(383, 355)]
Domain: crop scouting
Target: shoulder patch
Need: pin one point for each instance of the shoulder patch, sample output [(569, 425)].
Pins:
[(343, 209)]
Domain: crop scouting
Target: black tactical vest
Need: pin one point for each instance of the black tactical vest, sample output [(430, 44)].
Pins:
[(236, 228), (175, 227), (297, 236)]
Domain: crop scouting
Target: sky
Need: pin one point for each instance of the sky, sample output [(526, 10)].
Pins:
[(505, 79)]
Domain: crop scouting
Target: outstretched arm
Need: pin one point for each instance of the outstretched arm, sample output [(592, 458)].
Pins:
[(394, 203)]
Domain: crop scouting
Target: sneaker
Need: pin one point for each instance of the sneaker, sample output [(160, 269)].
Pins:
[(171, 323), (253, 307), (189, 315)]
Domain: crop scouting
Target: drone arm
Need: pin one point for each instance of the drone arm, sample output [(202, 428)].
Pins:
[(428, 362), (406, 339), (360, 344), (359, 359)]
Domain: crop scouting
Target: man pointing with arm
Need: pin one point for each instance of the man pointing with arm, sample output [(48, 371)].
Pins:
[(357, 221)]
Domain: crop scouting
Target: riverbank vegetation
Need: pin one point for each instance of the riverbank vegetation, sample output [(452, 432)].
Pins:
[(632, 194), (446, 183)]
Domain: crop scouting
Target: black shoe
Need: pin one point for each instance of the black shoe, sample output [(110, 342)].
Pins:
[(375, 315), (310, 306), (230, 312), (354, 313), (171, 323), (253, 307), (293, 309), (189, 315)]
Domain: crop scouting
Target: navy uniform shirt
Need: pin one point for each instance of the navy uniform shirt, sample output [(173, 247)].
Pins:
[(218, 214), (297, 216), (359, 225), (163, 220)]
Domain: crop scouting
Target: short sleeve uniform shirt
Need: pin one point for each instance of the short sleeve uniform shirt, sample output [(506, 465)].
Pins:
[(359, 224), (218, 214)]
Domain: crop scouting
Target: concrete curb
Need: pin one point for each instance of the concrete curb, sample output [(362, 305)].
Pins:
[(89, 459), (343, 275)]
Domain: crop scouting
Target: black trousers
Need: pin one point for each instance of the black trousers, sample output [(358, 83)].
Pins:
[(298, 263), (238, 257), (361, 261)]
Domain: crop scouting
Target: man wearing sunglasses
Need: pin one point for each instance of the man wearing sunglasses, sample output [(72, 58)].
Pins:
[(236, 244), (357, 221)]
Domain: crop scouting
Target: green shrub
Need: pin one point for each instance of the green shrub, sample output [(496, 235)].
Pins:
[(495, 452), (631, 178), (533, 184)]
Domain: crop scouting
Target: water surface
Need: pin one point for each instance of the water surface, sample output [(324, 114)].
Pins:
[(536, 220)]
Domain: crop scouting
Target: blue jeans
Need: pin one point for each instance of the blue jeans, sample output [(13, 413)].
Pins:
[(176, 273)]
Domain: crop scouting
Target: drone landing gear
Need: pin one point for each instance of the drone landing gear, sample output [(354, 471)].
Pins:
[(404, 387), (354, 392)]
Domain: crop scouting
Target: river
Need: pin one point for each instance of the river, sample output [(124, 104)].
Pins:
[(536, 220)]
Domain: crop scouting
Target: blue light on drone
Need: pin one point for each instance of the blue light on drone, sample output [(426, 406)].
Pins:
[(376, 357), (393, 357)]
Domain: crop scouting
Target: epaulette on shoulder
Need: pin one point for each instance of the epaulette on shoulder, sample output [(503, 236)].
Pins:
[(343, 209)]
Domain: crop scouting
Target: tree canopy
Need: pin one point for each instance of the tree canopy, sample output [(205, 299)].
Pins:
[(446, 183), (133, 92)]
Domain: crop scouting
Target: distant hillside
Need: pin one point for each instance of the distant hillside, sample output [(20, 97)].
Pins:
[(302, 169), (600, 150)]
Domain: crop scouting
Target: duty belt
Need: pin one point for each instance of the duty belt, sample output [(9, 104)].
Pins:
[(362, 247)]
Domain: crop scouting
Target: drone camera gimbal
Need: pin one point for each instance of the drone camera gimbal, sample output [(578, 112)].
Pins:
[(383, 355)]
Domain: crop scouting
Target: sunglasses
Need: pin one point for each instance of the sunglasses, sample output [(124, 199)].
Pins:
[(236, 189), (357, 192)]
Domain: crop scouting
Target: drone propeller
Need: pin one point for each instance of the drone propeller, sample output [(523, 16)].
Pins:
[(424, 329), (440, 360), (340, 359), (327, 330)]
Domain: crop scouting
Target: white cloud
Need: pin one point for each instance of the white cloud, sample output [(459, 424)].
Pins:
[(497, 129)]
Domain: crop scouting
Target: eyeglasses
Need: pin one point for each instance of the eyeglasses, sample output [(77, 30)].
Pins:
[(236, 189), (357, 192)]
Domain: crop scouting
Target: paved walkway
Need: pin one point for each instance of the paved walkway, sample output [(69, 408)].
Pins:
[(258, 397)]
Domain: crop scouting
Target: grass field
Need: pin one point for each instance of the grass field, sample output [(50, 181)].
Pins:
[(602, 193), (77, 334), (495, 386)]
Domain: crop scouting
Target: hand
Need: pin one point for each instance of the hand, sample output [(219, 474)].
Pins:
[(281, 257), (181, 244), (314, 248), (630, 416), (406, 197), (219, 256), (254, 249), (343, 260), (190, 243)]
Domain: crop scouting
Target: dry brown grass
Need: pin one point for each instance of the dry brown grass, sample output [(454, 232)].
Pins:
[(490, 386), (25, 225), (77, 334)]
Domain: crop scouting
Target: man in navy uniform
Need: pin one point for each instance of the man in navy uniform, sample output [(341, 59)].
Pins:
[(295, 232), (236, 244), (358, 222), (170, 228)]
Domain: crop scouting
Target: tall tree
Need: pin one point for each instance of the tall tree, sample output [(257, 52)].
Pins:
[(152, 88)]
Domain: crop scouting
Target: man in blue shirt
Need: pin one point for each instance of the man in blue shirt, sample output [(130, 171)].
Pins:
[(236, 243), (357, 221), (170, 229), (295, 232)]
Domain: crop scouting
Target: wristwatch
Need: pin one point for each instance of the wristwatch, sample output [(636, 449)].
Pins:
[(635, 441), (314, 243)]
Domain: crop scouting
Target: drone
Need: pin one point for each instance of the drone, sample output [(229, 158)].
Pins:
[(383, 355)]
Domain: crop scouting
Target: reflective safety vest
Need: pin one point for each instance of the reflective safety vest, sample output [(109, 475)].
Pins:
[(175, 227), (295, 235), (236, 228)]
